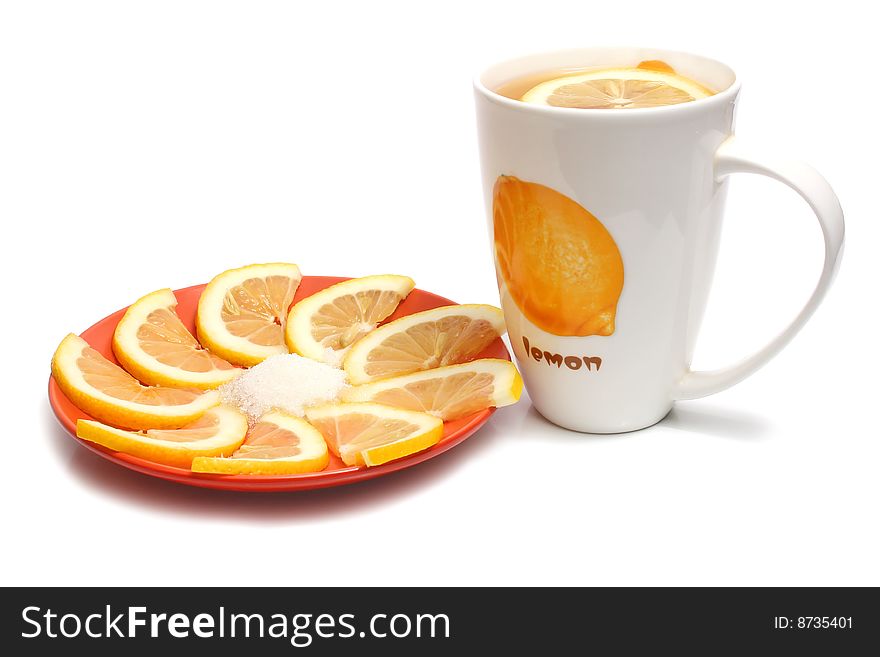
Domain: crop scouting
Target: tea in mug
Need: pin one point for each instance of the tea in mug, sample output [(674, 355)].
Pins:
[(650, 84)]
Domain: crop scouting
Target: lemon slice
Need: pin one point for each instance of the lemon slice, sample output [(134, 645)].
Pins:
[(278, 444), (443, 336), (242, 312), (109, 393), (219, 431), (447, 392), (152, 343), (373, 434), (617, 88), (324, 325)]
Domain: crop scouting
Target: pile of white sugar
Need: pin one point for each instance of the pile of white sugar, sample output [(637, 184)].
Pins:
[(286, 382)]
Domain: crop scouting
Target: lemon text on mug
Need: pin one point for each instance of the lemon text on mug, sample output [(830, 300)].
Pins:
[(571, 362)]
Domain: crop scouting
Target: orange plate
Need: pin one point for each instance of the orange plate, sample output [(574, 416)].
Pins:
[(336, 473)]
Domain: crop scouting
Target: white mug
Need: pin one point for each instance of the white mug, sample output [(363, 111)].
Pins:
[(605, 344)]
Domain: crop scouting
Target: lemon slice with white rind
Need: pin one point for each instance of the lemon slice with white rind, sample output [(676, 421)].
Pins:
[(447, 335), (242, 312), (152, 344), (218, 432), (324, 325), (447, 392), (617, 88), (373, 434), (108, 393), (278, 444)]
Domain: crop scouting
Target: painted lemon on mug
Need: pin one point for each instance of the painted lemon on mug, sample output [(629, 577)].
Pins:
[(561, 266)]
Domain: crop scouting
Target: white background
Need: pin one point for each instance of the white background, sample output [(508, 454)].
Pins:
[(154, 144)]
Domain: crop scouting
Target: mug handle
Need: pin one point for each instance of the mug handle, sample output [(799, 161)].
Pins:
[(815, 190)]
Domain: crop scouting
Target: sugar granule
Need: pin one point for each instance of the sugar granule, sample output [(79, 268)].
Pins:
[(335, 356), (286, 382)]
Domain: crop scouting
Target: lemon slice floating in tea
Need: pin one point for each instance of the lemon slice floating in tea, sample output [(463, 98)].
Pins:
[(373, 434), (152, 343), (219, 431), (651, 84), (324, 325), (242, 312), (447, 392), (279, 443)]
